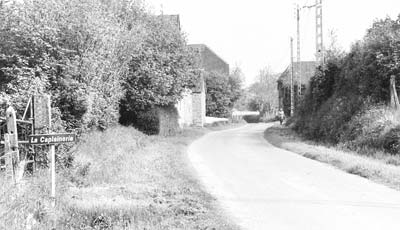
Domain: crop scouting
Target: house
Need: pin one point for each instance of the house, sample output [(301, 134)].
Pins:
[(192, 108), (173, 20), (209, 60), (301, 70)]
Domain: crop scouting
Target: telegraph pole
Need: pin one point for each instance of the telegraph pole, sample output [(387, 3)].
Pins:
[(319, 42), (319, 37), (298, 70), (291, 79)]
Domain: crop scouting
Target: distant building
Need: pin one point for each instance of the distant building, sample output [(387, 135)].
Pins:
[(209, 60), (173, 19), (306, 69), (192, 108)]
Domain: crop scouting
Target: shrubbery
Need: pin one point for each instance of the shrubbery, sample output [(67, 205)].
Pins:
[(342, 104), (252, 118), (222, 93), (90, 55), (72, 50)]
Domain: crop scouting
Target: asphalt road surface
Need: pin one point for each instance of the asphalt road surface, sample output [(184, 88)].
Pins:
[(264, 187)]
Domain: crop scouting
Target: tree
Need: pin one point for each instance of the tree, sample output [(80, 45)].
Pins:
[(351, 83), (263, 94), (223, 92), (160, 70), (78, 51)]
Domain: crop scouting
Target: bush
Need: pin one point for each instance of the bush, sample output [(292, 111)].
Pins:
[(160, 70), (145, 121), (161, 120), (335, 107), (222, 93), (87, 55), (77, 51), (391, 141), (252, 118)]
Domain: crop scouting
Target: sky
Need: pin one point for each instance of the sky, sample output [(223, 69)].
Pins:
[(255, 34)]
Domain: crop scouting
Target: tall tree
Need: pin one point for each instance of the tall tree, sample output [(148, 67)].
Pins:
[(223, 92), (263, 94)]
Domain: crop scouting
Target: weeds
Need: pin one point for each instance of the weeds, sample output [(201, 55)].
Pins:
[(120, 179)]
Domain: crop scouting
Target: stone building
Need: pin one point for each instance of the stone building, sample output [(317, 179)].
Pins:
[(192, 108), (306, 70), (173, 19), (209, 60)]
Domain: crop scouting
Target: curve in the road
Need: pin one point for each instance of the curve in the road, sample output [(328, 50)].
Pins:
[(265, 187)]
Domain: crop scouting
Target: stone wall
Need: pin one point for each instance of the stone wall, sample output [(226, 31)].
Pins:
[(192, 107), (185, 110), (199, 108), (168, 120)]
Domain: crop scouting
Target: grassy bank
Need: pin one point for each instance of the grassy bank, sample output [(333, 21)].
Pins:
[(121, 179), (379, 167)]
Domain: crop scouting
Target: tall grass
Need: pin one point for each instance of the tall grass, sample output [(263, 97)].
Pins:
[(120, 179), (376, 128)]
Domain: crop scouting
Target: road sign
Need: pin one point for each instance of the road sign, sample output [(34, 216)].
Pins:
[(50, 139)]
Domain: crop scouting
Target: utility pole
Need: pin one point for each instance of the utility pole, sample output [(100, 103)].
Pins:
[(319, 42), (291, 79), (298, 69), (319, 36)]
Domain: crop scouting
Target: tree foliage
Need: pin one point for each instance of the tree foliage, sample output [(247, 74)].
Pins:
[(160, 70), (349, 83), (87, 54), (222, 92), (262, 95)]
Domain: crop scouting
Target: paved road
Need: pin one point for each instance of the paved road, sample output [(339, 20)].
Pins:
[(264, 187)]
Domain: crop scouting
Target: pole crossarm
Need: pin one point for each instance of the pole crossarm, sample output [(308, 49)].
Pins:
[(2, 119), (319, 44)]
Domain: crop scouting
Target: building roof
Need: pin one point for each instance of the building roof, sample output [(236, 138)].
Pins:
[(173, 19), (305, 68), (202, 47)]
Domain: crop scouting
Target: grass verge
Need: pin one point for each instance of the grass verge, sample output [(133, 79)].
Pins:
[(121, 179), (379, 167)]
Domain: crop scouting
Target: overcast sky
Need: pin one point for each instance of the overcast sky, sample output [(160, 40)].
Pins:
[(256, 33)]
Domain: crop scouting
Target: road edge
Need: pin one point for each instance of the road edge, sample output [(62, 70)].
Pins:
[(349, 162)]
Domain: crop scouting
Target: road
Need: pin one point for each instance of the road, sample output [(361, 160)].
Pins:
[(264, 187)]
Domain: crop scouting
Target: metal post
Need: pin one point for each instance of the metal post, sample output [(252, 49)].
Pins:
[(46, 116), (53, 175), (291, 79), (298, 70), (319, 33)]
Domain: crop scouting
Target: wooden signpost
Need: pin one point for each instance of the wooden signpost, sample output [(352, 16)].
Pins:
[(40, 123), (52, 139)]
